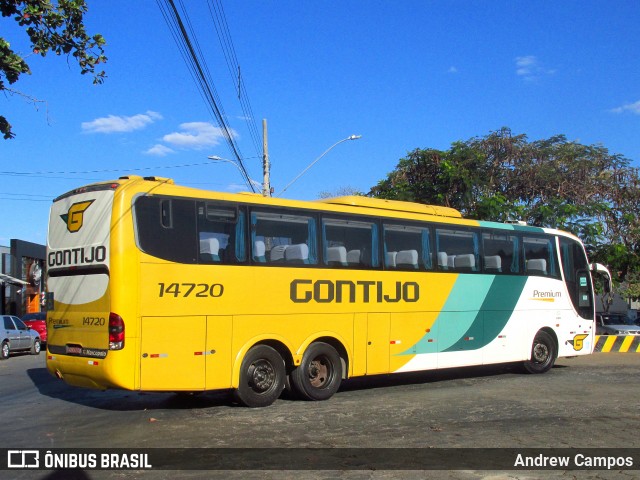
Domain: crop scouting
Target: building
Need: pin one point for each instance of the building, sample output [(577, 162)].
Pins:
[(22, 278)]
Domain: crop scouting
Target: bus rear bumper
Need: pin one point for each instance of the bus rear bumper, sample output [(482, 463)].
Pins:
[(79, 371)]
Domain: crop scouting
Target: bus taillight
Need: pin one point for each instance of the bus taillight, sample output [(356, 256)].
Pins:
[(116, 332)]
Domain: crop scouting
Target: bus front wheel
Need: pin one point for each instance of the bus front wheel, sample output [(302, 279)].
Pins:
[(319, 375), (543, 353), (262, 377)]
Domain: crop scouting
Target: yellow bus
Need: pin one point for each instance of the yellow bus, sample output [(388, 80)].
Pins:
[(159, 287)]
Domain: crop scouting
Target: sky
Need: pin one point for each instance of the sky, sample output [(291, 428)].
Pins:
[(402, 74)]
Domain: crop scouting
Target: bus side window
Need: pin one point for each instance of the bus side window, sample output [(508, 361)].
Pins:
[(407, 247), (540, 256), (500, 252), (221, 234), (359, 239), (283, 238), (461, 247)]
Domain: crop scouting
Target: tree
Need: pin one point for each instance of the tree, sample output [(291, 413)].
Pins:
[(56, 27), (550, 183), (340, 192)]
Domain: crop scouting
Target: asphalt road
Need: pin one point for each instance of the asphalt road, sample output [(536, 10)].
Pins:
[(585, 402)]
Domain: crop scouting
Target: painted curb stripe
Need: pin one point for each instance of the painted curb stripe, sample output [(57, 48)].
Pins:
[(617, 343)]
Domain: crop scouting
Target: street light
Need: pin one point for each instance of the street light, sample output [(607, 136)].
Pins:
[(350, 137), (253, 183)]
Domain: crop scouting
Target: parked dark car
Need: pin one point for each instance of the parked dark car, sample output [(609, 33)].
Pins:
[(15, 336), (38, 322), (615, 324)]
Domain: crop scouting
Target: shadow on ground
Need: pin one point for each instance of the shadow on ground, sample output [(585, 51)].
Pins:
[(121, 400)]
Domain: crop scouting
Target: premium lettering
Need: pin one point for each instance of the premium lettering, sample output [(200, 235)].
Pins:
[(347, 291), (548, 294)]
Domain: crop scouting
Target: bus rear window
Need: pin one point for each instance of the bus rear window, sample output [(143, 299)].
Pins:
[(165, 228), (189, 231)]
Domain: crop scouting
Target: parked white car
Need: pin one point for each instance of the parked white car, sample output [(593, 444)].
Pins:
[(615, 324)]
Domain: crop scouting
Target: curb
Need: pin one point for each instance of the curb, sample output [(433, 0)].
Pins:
[(617, 343)]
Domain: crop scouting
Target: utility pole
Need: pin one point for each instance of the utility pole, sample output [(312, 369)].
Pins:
[(266, 184)]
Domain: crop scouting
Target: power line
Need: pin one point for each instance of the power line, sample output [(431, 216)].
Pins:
[(192, 56), (226, 43), (13, 199), (109, 170), (22, 194)]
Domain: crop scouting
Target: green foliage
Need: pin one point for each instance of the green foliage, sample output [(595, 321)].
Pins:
[(56, 27), (341, 192), (630, 287), (550, 183)]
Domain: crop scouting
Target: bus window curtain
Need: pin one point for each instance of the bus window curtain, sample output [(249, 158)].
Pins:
[(426, 250), (552, 260), (384, 246), (374, 246), (241, 247), (313, 241), (515, 260), (324, 244), (476, 252), (252, 228)]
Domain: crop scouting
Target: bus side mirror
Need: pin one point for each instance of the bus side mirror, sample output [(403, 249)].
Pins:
[(604, 271)]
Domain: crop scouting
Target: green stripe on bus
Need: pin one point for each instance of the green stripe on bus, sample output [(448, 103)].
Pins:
[(495, 311), (476, 311), (511, 226)]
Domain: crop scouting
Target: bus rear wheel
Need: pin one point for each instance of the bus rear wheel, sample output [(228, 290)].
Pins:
[(262, 376), (543, 354), (319, 375)]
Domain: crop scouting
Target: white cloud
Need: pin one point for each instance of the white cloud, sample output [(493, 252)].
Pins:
[(195, 136), (525, 64), (629, 107), (236, 187), (530, 68), (119, 124), (159, 150), (452, 69)]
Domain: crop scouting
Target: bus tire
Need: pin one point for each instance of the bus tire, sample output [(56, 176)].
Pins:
[(262, 376), (319, 375), (543, 353)]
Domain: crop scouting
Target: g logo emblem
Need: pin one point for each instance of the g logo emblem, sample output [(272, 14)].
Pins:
[(578, 342), (75, 215)]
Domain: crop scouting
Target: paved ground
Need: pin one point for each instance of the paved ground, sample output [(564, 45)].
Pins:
[(586, 402)]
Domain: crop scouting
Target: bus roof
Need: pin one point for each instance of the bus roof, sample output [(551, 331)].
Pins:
[(394, 205), (358, 202)]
